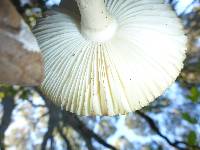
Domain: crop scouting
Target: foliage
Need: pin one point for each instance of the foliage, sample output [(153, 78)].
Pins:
[(187, 117), (194, 95), (192, 138)]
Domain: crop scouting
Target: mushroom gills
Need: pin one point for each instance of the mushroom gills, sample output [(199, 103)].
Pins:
[(116, 74)]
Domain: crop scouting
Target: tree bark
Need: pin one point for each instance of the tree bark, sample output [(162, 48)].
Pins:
[(8, 106), (20, 59)]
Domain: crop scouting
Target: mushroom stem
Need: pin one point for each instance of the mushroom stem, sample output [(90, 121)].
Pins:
[(96, 23)]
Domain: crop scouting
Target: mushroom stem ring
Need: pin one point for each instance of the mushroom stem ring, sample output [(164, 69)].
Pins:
[(120, 56)]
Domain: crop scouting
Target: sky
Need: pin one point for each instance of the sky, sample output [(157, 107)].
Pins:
[(50, 3), (180, 7)]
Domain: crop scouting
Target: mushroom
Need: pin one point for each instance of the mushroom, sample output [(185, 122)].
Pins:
[(118, 58)]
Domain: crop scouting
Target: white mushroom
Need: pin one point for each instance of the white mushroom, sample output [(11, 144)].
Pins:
[(120, 57)]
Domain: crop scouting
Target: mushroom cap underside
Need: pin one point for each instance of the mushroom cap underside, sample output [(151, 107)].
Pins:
[(121, 75)]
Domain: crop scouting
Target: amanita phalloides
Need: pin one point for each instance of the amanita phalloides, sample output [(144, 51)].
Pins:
[(119, 57)]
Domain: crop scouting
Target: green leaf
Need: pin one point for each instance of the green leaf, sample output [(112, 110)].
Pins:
[(192, 138), (194, 95), (24, 95), (188, 118), (2, 95)]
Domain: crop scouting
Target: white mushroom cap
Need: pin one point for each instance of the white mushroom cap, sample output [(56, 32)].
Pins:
[(99, 74)]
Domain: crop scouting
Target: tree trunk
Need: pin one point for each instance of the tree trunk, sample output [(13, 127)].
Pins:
[(20, 59)]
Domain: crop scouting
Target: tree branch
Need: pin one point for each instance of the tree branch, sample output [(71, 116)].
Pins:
[(188, 6), (35, 105), (52, 124), (72, 120), (48, 135), (65, 138), (153, 126), (8, 106)]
